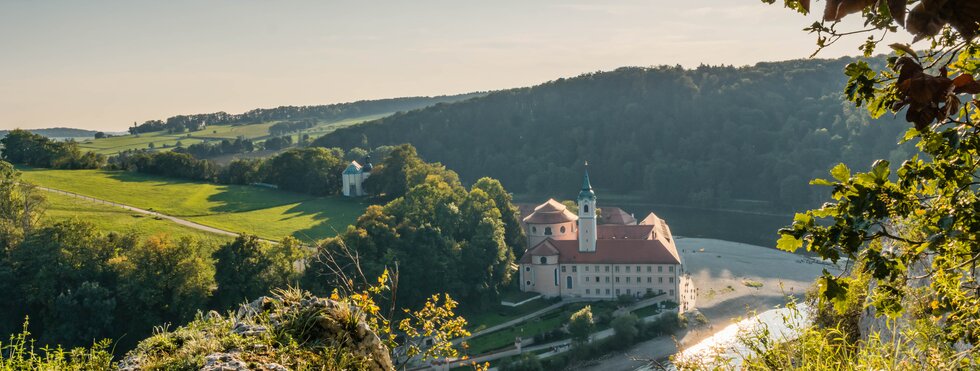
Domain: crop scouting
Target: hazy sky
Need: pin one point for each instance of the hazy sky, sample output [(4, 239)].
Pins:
[(104, 64)]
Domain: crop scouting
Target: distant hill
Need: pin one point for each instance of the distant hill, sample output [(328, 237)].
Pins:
[(258, 125), (59, 133), (709, 136)]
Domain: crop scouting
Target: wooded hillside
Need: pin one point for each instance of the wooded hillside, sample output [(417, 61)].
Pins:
[(703, 136)]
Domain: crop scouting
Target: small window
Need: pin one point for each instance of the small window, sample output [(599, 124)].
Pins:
[(534, 229), (671, 292), (617, 291), (574, 268), (637, 269), (607, 291), (617, 279), (607, 268), (660, 268), (568, 282), (660, 280), (586, 207), (627, 269), (547, 231), (671, 279), (587, 292), (671, 268), (617, 269), (597, 279), (607, 279), (563, 269), (661, 291), (649, 279), (597, 268), (527, 283), (628, 292), (649, 269), (586, 268), (544, 260), (527, 269)]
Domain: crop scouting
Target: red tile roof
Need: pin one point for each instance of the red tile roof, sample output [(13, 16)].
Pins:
[(620, 232), (615, 215), (607, 252), (550, 212)]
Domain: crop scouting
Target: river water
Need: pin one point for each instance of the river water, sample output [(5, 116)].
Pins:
[(730, 225)]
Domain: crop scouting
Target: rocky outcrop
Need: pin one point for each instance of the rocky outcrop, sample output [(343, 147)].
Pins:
[(286, 331)]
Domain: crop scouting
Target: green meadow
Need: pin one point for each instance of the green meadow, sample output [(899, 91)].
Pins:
[(163, 141), (114, 219), (267, 213)]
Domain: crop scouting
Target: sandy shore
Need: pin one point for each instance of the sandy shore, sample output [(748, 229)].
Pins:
[(720, 270)]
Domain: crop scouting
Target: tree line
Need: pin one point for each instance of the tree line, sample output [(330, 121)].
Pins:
[(24, 147), (332, 112), (705, 136)]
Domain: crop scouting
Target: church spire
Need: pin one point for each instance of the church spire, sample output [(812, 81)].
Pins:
[(587, 192)]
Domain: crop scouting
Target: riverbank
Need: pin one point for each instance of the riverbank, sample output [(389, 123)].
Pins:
[(734, 280)]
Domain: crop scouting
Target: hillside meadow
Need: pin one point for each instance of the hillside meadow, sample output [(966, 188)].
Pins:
[(267, 213), (163, 140)]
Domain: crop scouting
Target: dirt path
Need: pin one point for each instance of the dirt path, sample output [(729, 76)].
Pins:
[(183, 222)]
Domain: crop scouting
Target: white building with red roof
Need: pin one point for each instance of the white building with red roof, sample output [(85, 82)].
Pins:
[(571, 255)]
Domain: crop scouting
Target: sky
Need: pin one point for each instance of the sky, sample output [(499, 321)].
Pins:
[(103, 65)]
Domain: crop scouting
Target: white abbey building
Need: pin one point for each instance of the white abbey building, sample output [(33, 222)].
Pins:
[(571, 255), (354, 176)]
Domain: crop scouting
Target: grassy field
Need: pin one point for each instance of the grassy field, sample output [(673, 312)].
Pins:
[(114, 219), (163, 141), (270, 214)]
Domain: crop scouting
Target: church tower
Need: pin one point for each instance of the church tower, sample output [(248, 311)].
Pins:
[(586, 215)]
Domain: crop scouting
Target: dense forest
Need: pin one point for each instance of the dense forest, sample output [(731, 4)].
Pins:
[(703, 136), (340, 111)]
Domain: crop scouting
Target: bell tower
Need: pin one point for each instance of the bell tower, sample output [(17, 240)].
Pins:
[(586, 215)]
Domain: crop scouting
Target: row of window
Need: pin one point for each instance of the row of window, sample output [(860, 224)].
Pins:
[(547, 230), (660, 268), (628, 278), (628, 292)]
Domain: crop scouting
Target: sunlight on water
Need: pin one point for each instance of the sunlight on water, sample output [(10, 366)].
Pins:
[(725, 347)]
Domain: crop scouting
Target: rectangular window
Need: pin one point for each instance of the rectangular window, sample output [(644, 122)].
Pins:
[(671, 292), (649, 279), (607, 291), (617, 291), (649, 268), (671, 268), (607, 279), (637, 269), (660, 280), (671, 279), (649, 291), (627, 269), (661, 291), (574, 268), (627, 280), (607, 268), (617, 279), (587, 291), (660, 268), (597, 279), (617, 269), (638, 280), (586, 268), (563, 269), (596, 269)]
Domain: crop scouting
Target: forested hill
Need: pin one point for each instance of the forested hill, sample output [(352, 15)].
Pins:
[(707, 136)]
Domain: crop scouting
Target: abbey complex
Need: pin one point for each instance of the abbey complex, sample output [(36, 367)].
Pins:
[(571, 255)]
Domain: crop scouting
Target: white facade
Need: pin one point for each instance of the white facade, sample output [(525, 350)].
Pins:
[(354, 177)]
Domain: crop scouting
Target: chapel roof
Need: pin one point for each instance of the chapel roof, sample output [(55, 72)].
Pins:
[(353, 168), (550, 212)]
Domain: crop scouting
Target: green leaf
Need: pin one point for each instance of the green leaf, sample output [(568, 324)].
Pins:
[(880, 170), (789, 243), (841, 172), (821, 182)]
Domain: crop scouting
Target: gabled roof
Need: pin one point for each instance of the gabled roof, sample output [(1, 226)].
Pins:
[(550, 212), (353, 168), (545, 248), (626, 251), (615, 215)]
